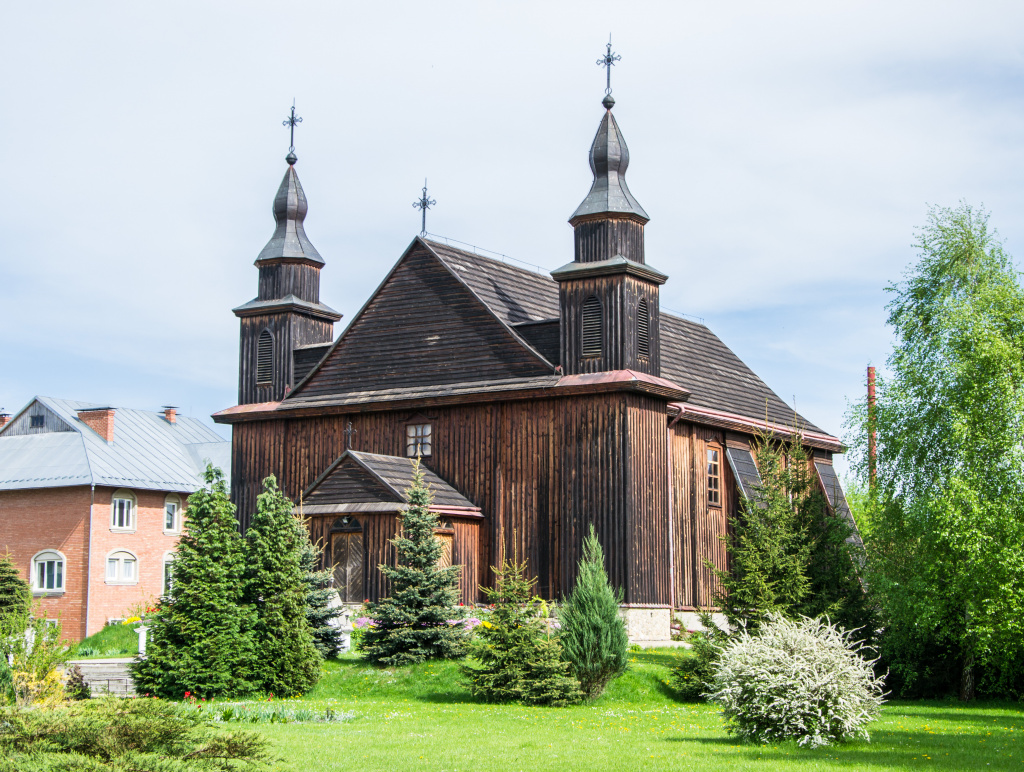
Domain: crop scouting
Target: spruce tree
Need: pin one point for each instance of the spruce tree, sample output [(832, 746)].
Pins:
[(287, 662), (413, 623), (321, 611), (200, 639), (519, 660), (788, 552), (593, 638), (15, 596)]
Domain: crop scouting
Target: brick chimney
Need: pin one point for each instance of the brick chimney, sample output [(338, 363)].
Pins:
[(100, 420), (5, 418), (170, 414)]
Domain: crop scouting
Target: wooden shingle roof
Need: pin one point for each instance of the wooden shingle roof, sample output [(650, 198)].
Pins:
[(691, 354)]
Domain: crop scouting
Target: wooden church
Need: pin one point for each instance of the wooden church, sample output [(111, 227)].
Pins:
[(539, 403)]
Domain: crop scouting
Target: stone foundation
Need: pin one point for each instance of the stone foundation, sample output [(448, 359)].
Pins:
[(646, 625)]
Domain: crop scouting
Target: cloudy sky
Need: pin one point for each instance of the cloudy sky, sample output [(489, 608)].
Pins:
[(785, 152)]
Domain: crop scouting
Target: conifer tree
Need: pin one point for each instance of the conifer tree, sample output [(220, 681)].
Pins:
[(593, 638), (321, 611), (15, 596), (519, 659), (286, 660), (200, 639), (414, 622)]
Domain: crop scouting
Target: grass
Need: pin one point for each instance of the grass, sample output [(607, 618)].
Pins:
[(112, 641), (422, 718)]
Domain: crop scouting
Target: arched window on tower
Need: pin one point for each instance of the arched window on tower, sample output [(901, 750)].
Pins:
[(643, 329), (592, 324), (265, 358)]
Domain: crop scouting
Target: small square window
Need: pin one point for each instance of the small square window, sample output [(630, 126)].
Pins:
[(122, 568), (37, 422), (49, 572), (418, 440)]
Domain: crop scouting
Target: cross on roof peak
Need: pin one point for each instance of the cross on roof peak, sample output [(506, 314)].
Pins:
[(290, 122), (608, 61)]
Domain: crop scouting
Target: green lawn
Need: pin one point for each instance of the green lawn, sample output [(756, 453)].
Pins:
[(421, 718), (112, 641)]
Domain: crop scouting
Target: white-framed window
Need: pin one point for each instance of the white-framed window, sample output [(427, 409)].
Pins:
[(172, 513), (122, 568), (418, 440), (122, 511), (48, 572), (168, 575)]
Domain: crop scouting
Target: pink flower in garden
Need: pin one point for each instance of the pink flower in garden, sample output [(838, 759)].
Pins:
[(363, 622)]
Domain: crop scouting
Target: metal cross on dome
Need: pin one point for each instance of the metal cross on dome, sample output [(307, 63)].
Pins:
[(608, 61), (423, 205), (290, 122)]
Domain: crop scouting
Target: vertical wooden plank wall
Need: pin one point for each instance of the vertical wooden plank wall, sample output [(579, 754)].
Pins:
[(541, 471), (699, 527)]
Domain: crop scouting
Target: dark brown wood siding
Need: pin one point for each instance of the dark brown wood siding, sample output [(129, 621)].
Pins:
[(350, 483), (620, 296), (698, 526), (279, 280), (541, 471), (289, 330), (604, 238), (380, 528), (423, 327)]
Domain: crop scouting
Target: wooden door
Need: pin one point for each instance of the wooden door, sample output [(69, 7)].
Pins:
[(446, 539), (347, 552)]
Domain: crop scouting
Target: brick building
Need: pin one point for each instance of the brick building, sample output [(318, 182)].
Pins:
[(92, 500)]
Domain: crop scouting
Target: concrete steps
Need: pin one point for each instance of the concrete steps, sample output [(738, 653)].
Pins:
[(107, 676)]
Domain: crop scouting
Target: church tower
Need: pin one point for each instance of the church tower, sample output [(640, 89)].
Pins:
[(608, 296), (286, 314)]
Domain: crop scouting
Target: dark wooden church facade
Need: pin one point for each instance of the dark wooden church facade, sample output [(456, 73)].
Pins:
[(539, 404)]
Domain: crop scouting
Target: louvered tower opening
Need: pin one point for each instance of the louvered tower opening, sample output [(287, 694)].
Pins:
[(591, 327), (643, 329), (265, 358)]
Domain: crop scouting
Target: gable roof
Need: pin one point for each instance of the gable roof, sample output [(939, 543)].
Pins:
[(358, 478), (147, 452), (423, 326), (691, 354)]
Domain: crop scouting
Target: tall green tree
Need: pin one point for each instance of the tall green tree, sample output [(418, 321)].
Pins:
[(414, 622), (286, 659), (200, 639), (593, 637), (946, 556)]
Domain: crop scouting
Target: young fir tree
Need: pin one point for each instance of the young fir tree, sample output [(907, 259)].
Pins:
[(593, 638), (321, 611), (14, 591), (789, 554), (200, 639), (414, 622), (287, 662), (519, 659)]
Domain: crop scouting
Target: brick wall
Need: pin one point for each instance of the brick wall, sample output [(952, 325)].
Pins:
[(51, 519), (149, 543), (58, 519)]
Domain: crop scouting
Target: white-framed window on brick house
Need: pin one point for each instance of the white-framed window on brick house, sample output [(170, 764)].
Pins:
[(48, 572), (172, 513), (168, 578), (418, 440), (123, 507), (122, 568)]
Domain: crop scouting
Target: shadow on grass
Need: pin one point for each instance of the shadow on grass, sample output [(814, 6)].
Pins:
[(886, 749)]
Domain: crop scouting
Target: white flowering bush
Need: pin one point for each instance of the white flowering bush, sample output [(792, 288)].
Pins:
[(800, 680)]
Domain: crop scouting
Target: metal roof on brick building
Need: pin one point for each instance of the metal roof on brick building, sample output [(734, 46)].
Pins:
[(147, 451)]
